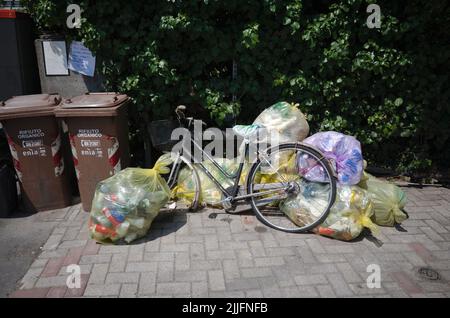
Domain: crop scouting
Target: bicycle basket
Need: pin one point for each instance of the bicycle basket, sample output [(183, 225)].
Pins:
[(160, 132)]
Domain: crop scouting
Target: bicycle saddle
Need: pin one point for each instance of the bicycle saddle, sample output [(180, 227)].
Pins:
[(248, 131)]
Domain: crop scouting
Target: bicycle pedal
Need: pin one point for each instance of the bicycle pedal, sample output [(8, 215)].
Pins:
[(227, 204), (240, 207)]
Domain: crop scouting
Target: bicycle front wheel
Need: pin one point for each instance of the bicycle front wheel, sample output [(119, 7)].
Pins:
[(292, 188)]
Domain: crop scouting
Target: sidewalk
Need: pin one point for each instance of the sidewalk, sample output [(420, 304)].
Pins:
[(197, 255)]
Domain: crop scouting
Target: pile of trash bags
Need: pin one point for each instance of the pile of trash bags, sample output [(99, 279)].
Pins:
[(125, 205), (362, 201)]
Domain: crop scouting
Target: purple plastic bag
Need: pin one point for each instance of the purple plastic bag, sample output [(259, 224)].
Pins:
[(344, 152)]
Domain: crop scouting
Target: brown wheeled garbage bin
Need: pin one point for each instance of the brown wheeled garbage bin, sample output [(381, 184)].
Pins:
[(35, 138), (98, 132)]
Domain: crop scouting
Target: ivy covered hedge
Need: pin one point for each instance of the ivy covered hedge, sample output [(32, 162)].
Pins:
[(389, 86)]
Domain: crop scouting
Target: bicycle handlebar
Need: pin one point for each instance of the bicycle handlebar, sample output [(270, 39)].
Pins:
[(182, 116)]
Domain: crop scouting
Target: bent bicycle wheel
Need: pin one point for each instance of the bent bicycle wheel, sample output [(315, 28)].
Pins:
[(292, 188)]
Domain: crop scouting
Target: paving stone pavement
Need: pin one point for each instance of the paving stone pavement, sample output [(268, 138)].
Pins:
[(193, 255)]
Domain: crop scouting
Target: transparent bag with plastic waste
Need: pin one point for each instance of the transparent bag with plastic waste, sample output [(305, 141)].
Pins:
[(308, 204), (348, 216), (343, 151), (125, 204), (388, 201), (285, 121), (282, 168)]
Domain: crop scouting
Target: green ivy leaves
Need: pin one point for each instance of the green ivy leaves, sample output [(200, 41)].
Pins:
[(389, 87)]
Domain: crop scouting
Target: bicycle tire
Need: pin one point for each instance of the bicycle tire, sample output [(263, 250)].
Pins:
[(319, 156)]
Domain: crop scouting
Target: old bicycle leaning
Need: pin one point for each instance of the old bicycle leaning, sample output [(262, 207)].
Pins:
[(273, 179)]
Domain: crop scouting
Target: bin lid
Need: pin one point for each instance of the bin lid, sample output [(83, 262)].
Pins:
[(92, 104), (29, 106), (95, 100)]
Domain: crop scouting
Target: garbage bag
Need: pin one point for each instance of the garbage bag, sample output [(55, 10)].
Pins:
[(388, 201), (349, 215), (364, 177), (282, 168), (284, 120), (209, 192), (307, 206), (125, 204), (344, 153)]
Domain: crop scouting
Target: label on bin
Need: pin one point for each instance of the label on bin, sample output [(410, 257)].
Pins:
[(89, 133), (90, 147), (35, 152), (90, 143), (32, 143), (97, 152), (30, 133)]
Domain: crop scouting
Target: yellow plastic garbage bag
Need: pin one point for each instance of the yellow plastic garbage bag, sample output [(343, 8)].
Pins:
[(210, 194), (282, 168), (307, 206), (125, 204), (349, 215), (285, 120), (388, 201)]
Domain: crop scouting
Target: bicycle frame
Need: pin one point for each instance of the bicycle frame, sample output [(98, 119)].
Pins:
[(235, 177)]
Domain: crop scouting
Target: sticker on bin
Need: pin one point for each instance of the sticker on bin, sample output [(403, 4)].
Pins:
[(90, 143), (91, 148), (98, 152), (114, 155), (32, 143), (74, 155), (32, 152), (15, 157), (58, 161)]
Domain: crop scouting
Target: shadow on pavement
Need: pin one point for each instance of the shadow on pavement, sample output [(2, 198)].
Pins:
[(165, 223)]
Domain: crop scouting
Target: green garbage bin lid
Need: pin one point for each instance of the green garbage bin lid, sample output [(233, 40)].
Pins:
[(29, 106)]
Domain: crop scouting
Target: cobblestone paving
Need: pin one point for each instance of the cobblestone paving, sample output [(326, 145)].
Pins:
[(193, 255)]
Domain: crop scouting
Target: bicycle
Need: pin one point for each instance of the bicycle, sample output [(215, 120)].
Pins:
[(268, 185)]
